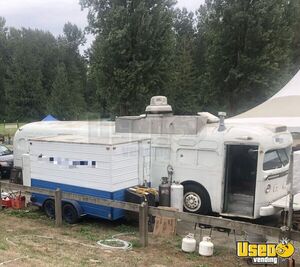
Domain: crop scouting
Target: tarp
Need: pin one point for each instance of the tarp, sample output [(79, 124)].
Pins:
[(49, 118), (283, 108)]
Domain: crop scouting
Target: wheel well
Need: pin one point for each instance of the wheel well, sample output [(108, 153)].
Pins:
[(74, 203), (43, 205), (198, 185)]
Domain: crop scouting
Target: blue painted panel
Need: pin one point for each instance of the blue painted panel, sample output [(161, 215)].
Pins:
[(88, 209), (118, 195)]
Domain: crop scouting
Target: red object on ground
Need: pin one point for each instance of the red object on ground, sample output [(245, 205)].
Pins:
[(18, 202), (6, 202)]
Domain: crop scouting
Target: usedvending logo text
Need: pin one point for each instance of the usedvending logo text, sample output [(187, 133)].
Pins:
[(265, 253)]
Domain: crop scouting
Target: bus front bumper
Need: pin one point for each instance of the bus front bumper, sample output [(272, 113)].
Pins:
[(280, 204), (268, 210)]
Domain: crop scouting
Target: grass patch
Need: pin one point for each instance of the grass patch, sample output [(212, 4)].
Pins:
[(90, 262), (56, 251), (136, 243), (125, 228), (192, 256), (9, 129), (178, 246), (65, 234), (30, 214), (87, 232), (219, 251), (3, 246), (175, 242)]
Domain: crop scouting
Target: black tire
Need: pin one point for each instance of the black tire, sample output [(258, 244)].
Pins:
[(49, 208), (196, 199), (69, 213)]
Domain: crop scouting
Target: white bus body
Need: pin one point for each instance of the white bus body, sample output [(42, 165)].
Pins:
[(237, 170)]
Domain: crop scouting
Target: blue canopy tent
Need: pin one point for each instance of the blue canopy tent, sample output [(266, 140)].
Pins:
[(49, 118)]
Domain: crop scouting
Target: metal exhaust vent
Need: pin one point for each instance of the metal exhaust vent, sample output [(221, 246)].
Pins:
[(222, 116)]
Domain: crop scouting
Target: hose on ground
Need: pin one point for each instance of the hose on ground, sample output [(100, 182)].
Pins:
[(16, 259), (115, 242)]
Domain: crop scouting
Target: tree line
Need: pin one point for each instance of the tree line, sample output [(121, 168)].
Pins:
[(41, 74), (229, 55)]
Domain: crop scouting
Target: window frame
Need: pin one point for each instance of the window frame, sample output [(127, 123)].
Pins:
[(283, 163)]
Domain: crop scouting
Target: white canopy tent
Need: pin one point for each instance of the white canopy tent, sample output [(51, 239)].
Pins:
[(283, 108)]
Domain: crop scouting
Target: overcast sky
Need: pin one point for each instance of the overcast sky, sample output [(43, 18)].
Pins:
[(51, 15)]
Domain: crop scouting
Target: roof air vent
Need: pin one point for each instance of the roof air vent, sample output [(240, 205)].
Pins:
[(222, 116), (158, 105)]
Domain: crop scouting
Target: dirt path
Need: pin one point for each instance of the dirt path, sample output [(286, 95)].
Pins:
[(32, 239)]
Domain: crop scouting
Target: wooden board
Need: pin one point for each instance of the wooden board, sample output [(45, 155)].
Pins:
[(165, 226)]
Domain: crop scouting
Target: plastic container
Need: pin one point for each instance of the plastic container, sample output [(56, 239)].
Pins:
[(188, 243), (206, 247), (6, 202), (177, 196), (18, 202)]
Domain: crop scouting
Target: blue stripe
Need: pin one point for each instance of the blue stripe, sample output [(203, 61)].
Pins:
[(87, 208)]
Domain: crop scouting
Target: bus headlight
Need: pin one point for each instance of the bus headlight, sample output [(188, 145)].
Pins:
[(268, 188)]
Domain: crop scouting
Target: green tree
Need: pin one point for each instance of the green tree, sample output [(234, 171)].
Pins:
[(25, 95), (183, 90), (293, 15), (75, 65), (131, 56), (245, 47), (48, 52), (60, 102), (28, 69), (3, 65)]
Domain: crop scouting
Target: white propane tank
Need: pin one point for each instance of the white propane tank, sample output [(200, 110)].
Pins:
[(177, 196), (206, 247), (188, 243)]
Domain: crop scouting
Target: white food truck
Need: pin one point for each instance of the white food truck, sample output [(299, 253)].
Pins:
[(97, 167), (232, 169)]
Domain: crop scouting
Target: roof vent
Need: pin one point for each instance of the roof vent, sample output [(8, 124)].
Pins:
[(222, 116), (158, 105), (210, 117)]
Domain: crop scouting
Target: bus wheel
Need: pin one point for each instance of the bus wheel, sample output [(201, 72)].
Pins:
[(69, 213), (196, 199), (49, 208)]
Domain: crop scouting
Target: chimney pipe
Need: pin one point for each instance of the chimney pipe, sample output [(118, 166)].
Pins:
[(222, 116)]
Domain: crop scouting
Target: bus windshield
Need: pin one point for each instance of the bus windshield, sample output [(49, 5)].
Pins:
[(275, 159)]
